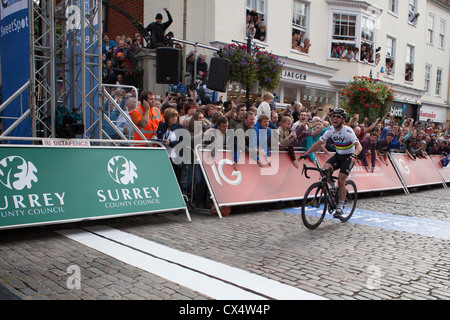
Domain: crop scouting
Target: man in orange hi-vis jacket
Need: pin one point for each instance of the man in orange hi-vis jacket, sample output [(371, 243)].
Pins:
[(146, 117)]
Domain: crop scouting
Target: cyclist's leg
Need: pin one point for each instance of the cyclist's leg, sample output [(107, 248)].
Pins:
[(331, 165), (342, 178), (346, 166)]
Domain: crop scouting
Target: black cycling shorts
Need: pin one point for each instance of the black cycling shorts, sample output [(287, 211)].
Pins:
[(344, 162)]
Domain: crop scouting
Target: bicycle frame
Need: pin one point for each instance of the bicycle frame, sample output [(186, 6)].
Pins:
[(326, 176), (321, 193)]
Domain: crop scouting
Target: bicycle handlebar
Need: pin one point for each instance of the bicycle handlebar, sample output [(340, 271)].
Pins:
[(322, 171), (305, 170)]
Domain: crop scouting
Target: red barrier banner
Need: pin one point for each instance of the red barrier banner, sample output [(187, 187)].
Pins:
[(251, 183), (417, 172), (382, 178), (282, 181), (443, 171)]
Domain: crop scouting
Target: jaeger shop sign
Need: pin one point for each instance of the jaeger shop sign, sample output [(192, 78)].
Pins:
[(40, 185)]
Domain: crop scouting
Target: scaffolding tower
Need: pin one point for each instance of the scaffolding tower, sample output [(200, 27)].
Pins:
[(65, 66)]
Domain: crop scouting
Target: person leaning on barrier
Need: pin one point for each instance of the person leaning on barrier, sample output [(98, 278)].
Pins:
[(146, 117), (263, 138), (241, 138), (215, 138), (383, 146), (287, 138), (369, 146)]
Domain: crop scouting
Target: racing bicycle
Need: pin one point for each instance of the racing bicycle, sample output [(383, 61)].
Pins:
[(323, 195)]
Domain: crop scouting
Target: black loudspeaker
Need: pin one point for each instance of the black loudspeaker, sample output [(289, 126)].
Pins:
[(219, 71), (168, 67)]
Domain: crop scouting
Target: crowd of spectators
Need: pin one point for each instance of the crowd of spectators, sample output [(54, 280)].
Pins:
[(254, 26), (366, 54), (404, 135), (118, 57), (298, 44), (295, 128)]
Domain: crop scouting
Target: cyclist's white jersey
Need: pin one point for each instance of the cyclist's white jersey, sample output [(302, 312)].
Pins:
[(343, 139)]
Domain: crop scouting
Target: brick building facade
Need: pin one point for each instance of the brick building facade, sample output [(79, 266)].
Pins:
[(114, 23)]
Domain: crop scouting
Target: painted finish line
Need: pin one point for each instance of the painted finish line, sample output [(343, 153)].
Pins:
[(417, 225), (211, 278)]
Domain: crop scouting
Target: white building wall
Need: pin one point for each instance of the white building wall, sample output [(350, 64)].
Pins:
[(217, 22)]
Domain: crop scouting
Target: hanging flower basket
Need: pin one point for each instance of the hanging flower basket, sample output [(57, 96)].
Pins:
[(242, 66), (269, 70), (367, 97), (262, 67)]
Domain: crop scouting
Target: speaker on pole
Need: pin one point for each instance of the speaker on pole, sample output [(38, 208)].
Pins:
[(168, 65), (219, 71)]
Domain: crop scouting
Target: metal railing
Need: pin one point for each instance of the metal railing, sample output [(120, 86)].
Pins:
[(105, 115), (24, 113)]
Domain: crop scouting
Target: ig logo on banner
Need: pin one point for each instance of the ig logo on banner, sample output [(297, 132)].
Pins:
[(218, 173)]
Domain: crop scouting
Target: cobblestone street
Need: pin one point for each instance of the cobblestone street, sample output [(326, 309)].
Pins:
[(337, 261)]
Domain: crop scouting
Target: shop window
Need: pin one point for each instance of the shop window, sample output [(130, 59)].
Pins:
[(290, 94), (314, 99)]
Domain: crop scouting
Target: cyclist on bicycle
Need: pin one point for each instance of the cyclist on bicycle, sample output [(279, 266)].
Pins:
[(348, 148)]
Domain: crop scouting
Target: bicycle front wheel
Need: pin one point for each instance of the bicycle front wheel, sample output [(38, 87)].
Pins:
[(314, 206), (350, 201)]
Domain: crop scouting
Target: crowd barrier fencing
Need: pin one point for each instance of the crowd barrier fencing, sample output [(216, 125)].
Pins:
[(443, 171), (42, 185), (418, 172), (282, 181), (53, 183)]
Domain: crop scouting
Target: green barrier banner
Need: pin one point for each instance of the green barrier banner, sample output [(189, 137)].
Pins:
[(44, 185)]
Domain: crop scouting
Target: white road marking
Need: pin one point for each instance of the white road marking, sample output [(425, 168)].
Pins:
[(418, 225), (206, 276)]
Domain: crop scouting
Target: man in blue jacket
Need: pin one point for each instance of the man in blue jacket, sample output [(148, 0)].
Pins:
[(263, 135)]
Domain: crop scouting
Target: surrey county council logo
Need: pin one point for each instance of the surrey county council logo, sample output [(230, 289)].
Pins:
[(16, 173), (122, 170)]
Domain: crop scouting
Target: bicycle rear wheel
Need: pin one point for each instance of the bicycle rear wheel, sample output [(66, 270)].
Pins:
[(350, 201), (314, 206)]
